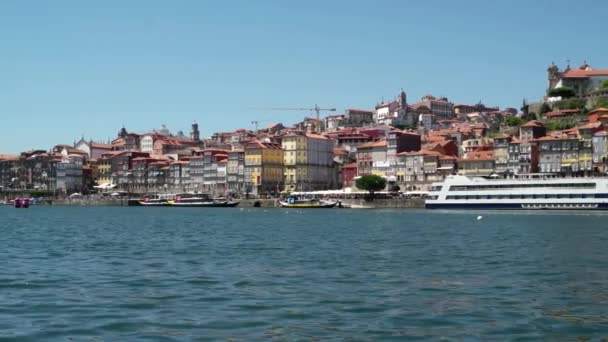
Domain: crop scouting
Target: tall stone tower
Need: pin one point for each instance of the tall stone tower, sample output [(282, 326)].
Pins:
[(553, 75), (194, 133), (402, 99)]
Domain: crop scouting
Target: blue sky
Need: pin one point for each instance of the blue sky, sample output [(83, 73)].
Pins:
[(72, 68)]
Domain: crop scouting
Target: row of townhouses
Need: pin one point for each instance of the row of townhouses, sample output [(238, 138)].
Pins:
[(411, 145)]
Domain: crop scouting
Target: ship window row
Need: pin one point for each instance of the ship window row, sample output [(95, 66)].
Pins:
[(526, 196), (521, 186)]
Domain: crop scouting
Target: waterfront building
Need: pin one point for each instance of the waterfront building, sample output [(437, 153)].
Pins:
[(565, 154), (69, 175), (156, 176), (214, 171), (143, 177), (36, 170), (308, 162), (523, 152), (501, 153), (263, 167), (235, 171), (178, 176), (600, 151), (9, 165), (349, 172), (104, 168), (476, 144), (477, 163), (399, 142), (371, 158), (115, 168), (197, 172)]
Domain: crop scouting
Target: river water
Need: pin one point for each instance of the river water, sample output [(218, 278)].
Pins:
[(230, 274)]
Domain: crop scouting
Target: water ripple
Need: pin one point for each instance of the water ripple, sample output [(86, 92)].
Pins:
[(139, 274)]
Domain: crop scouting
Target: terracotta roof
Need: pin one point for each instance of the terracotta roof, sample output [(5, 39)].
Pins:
[(219, 150), (259, 144), (101, 146), (590, 125), (349, 166), (421, 152), (479, 155), (340, 151), (578, 73), (599, 110), (532, 123), (562, 112), (316, 136), (381, 143), (367, 111), (8, 157), (112, 153)]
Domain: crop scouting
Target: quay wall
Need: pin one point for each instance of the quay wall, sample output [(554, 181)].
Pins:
[(252, 203)]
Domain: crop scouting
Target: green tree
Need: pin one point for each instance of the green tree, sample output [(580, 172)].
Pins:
[(371, 183), (529, 117), (572, 104), (601, 102), (604, 84), (564, 92), (545, 108), (513, 121)]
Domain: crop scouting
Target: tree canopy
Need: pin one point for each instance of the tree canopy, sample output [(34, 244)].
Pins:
[(513, 121), (604, 84), (564, 92), (371, 183), (545, 108)]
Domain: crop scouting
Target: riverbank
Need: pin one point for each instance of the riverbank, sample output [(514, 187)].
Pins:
[(396, 203)]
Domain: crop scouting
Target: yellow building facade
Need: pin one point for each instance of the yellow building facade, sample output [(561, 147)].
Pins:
[(308, 162), (263, 167)]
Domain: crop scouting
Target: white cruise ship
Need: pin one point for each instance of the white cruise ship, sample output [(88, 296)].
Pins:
[(461, 192)]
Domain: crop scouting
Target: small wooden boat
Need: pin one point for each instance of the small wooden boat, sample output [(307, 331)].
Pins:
[(294, 202)]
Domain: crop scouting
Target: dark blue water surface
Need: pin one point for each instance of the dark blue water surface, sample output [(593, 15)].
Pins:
[(183, 274)]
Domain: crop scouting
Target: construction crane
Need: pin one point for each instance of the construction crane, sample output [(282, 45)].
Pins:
[(256, 122), (316, 109)]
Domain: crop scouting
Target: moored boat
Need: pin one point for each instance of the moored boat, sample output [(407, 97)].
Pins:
[(200, 200), (294, 202), (154, 201), (534, 192), (22, 202)]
